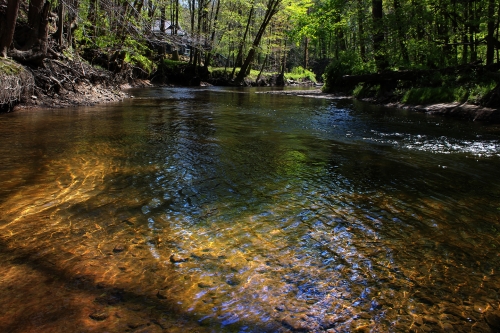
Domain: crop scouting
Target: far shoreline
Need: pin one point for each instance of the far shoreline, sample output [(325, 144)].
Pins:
[(464, 111)]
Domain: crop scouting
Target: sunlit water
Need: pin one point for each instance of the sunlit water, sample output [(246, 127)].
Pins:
[(214, 210)]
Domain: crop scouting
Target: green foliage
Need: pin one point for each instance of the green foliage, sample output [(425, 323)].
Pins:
[(348, 63), (477, 91), (169, 63), (366, 90), (135, 54), (300, 74), (430, 95)]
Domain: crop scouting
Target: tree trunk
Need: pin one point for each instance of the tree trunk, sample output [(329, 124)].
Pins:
[(38, 52), (272, 8), (262, 69), (192, 6), (490, 39), (212, 38), (306, 52), (239, 57), (378, 34), (162, 19), (60, 24), (361, 29), (401, 35), (8, 27), (34, 19), (473, 27)]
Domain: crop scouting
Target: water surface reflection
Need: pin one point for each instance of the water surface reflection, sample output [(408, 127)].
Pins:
[(222, 210)]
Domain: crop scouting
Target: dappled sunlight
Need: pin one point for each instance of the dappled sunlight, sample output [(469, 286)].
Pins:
[(188, 227)]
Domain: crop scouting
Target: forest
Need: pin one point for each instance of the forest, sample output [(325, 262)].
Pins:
[(407, 46)]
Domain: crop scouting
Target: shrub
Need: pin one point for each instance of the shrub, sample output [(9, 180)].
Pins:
[(301, 74)]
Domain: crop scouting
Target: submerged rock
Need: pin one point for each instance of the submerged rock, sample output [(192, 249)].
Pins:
[(119, 248), (176, 258), (233, 280), (99, 315), (162, 294)]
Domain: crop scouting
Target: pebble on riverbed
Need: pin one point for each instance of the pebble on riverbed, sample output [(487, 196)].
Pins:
[(233, 280), (162, 294), (119, 248), (99, 315), (175, 258)]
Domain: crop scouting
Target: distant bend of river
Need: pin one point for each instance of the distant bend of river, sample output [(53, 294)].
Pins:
[(223, 210)]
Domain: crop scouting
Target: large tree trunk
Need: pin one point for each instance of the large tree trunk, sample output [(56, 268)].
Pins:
[(35, 18), (378, 34), (8, 27), (60, 24), (39, 41)]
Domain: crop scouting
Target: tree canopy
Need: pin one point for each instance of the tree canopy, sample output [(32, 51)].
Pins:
[(359, 36)]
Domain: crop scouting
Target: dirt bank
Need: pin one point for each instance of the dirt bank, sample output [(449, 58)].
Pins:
[(59, 83)]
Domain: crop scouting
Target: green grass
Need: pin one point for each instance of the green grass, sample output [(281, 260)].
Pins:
[(366, 90), (479, 90), (300, 74), (252, 76), (472, 93), (297, 74), (429, 95), (172, 63)]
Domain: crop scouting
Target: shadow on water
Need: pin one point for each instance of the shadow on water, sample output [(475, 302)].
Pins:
[(82, 303), (213, 211)]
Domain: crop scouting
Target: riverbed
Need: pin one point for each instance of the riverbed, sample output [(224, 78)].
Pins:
[(223, 210)]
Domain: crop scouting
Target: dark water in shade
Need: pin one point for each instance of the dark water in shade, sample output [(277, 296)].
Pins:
[(217, 210)]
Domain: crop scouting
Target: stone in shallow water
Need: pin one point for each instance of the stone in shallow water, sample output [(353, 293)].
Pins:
[(99, 315), (447, 327), (204, 284), (162, 294), (280, 308), (430, 320), (175, 258), (119, 248), (493, 319), (480, 307), (296, 323), (233, 280)]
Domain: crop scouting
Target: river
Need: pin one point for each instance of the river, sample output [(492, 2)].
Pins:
[(225, 210)]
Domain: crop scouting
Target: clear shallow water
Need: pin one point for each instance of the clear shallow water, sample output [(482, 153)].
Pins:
[(215, 210)]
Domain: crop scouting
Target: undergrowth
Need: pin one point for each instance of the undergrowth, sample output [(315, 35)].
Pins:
[(472, 93), (300, 74)]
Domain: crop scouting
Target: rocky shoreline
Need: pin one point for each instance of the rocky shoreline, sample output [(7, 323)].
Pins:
[(465, 111)]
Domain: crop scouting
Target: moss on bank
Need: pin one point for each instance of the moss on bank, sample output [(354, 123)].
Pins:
[(473, 93), (16, 84)]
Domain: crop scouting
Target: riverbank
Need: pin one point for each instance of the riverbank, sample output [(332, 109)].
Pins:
[(57, 83), (465, 111), (74, 82)]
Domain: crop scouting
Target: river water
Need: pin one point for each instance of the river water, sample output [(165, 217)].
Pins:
[(225, 210)]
